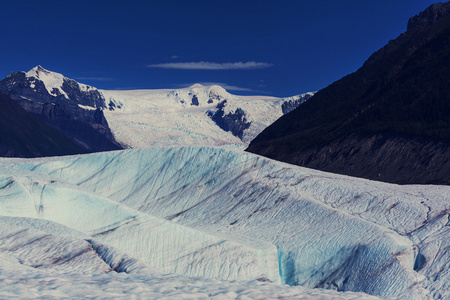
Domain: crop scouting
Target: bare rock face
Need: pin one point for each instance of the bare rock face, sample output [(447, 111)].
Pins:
[(235, 122), (399, 159), (387, 121), (24, 135)]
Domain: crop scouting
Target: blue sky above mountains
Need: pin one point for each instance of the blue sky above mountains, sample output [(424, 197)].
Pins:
[(278, 48)]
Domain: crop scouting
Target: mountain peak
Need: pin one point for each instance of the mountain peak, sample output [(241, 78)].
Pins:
[(53, 81), (211, 90), (387, 121), (37, 70), (207, 86), (429, 16), (49, 78), (196, 85), (43, 86), (40, 68), (421, 29)]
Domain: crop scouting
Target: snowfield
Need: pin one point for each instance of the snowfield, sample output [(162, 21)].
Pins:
[(155, 118), (123, 222)]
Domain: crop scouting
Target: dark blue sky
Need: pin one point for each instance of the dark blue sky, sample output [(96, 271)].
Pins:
[(278, 47)]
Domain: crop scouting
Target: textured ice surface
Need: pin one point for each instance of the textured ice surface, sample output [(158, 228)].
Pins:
[(165, 245), (29, 248), (40, 259), (41, 264), (330, 231), (37, 284)]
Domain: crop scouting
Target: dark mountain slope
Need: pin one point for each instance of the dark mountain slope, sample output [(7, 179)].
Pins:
[(389, 121), (24, 135)]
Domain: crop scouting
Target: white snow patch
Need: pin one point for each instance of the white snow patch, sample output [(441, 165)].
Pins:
[(86, 107), (51, 80)]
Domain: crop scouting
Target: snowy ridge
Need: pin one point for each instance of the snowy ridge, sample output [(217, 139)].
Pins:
[(86, 107), (148, 118), (330, 231), (52, 81), (46, 86)]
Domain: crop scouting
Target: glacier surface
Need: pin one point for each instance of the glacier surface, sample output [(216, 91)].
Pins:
[(40, 259), (165, 245), (214, 212)]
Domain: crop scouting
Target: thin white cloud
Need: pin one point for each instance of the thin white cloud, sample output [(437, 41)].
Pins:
[(204, 65)]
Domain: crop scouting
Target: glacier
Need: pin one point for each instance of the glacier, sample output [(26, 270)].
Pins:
[(240, 216), (41, 259), (165, 245), (182, 117)]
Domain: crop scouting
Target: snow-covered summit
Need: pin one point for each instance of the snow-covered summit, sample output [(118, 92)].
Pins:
[(73, 108), (52, 81), (43, 74), (39, 85), (55, 83), (199, 95)]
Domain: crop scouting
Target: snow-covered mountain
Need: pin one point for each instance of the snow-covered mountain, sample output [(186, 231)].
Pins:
[(41, 85), (197, 115), (109, 120), (213, 212), (74, 109)]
